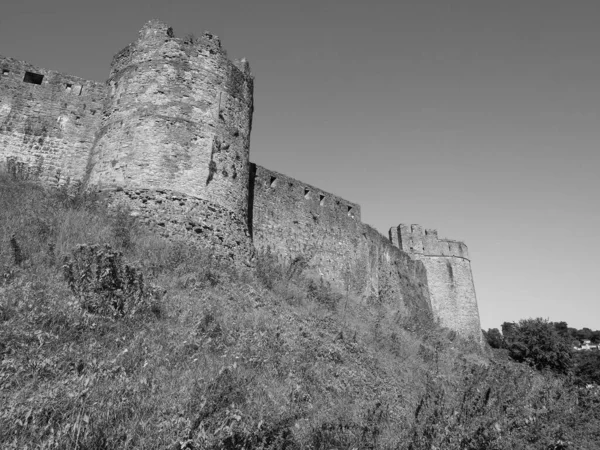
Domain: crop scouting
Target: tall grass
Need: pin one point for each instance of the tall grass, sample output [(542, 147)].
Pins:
[(228, 360)]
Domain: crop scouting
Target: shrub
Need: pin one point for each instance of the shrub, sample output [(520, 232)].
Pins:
[(494, 338), (16, 251), (270, 271), (587, 367), (124, 226), (102, 283), (321, 293), (346, 433), (537, 343)]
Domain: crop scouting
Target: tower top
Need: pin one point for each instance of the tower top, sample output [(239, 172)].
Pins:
[(155, 28)]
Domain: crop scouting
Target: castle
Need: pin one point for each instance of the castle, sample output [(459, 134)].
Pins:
[(168, 136)]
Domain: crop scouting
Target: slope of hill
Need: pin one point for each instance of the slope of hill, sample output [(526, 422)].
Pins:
[(131, 341)]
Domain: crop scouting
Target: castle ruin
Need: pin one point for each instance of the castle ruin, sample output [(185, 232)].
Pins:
[(168, 136)]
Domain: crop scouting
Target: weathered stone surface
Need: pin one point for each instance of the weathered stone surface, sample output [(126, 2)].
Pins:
[(178, 116), (171, 214), (168, 136), (293, 218), (450, 280), (49, 126)]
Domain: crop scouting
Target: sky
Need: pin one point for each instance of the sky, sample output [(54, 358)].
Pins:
[(478, 118)]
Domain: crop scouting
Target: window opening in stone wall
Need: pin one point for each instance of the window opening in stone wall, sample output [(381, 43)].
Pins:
[(306, 193), (273, 182), (350, 210), (5, 72), (321, 199), (33, 78), (69, 87)]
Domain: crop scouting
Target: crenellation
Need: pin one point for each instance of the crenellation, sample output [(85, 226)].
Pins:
[(449, 247), (431, 243), (444, 247), (411, 238), (167, 136), (394, 237)]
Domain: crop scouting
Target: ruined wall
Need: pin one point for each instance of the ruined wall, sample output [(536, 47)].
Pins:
[(173, 214), (48, 120), (178, 116), (449, 276), (294, 218), (177, 119)]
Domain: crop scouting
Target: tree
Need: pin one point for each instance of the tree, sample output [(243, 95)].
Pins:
[(585, 334), (538, 343), (507, 328), (587, 369), (494, 338), (562, 328)]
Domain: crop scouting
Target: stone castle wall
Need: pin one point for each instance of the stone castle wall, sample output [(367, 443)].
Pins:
[(293, 218), (449, 276), (175, 215), (177, 119), (178, 116), (168, 137), (48, 120)]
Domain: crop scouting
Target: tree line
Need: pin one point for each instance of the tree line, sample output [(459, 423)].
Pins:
[(548, 346)]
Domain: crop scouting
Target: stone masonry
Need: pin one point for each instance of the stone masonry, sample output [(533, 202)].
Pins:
[(48, 120), (168, 137), (449, 276)]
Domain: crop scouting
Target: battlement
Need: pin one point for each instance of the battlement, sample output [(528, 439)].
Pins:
[(302, 196), (156, 35), (415, 240)]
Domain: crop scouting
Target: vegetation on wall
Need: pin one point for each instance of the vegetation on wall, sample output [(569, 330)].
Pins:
[(132, 341)]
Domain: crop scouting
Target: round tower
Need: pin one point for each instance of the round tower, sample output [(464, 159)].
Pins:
[(449, 277), (177, 117)]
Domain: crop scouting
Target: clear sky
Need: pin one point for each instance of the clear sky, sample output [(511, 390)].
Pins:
[(479, 118)]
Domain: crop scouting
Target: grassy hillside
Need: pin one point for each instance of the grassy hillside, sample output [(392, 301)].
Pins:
[(134, 342)]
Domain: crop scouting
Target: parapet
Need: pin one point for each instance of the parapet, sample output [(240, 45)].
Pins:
[(300, 195), (416, 240)]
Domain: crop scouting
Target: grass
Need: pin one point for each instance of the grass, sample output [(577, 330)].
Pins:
[(219, 359)]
